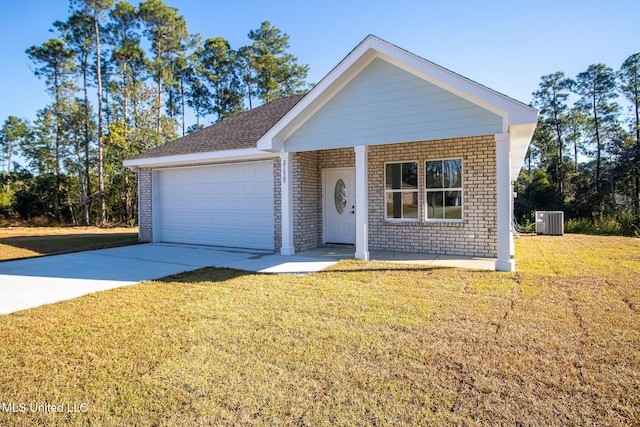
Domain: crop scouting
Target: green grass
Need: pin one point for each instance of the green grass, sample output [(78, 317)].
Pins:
[(359, 344)]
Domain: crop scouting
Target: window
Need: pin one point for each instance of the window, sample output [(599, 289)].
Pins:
[(444, 190), (401, 191)]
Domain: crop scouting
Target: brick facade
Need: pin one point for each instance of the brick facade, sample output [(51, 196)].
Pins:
[(145, 205), (474, 236), (307, 201), (307, 192), (277, 204)]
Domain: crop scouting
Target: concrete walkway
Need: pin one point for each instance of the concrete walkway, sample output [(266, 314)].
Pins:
[(432, 260), (34, 282)]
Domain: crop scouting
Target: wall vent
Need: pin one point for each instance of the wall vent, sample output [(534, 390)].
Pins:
[(550, 223)]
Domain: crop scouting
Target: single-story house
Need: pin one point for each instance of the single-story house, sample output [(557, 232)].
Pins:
[(388, 152)]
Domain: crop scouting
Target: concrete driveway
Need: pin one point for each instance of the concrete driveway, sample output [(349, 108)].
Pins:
[(34, 282)]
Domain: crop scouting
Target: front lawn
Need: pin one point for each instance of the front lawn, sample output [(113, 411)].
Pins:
[(27, 242), (360, 344)]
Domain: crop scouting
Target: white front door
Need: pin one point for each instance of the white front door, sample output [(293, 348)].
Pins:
[(339, 205)]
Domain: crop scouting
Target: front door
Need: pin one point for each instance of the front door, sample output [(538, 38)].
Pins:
[(339, 205)]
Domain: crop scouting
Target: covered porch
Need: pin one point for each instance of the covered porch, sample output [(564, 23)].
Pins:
[(337, 253), (309, 201)]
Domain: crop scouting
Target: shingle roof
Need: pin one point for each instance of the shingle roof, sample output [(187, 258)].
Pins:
[(241, 131)]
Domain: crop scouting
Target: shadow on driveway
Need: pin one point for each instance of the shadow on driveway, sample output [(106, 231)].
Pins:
[(33, 282)]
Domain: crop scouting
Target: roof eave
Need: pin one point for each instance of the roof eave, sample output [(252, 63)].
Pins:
[(197, 158)]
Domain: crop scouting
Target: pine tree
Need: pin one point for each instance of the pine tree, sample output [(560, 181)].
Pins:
[(167, 32), (78, 33), (630, 88), (276, 72), (95, 9), (219, 69), (597, 89), (128, 57), (55, 64), (13, 133), (551, 99)]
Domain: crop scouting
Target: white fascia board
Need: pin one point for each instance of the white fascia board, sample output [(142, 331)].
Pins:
[(195, 158)]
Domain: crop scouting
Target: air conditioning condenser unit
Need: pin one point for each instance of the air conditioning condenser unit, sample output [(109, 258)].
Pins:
[(550, 223)]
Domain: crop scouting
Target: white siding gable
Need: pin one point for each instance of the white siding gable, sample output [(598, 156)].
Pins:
[(385, 104)]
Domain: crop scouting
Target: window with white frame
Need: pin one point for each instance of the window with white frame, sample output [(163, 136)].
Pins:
[(401, 191), (444, 199)]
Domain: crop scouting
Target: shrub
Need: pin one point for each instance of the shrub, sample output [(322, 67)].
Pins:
[(624, 224), (630, 223), (579, 226), (43, 221)]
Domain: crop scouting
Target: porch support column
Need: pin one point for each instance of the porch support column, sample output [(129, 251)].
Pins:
[(504, 199), (362, 204), (286, 196)]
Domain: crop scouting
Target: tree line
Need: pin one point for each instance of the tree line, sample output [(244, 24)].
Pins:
[(112, 98), (121, 80), (585, 155)]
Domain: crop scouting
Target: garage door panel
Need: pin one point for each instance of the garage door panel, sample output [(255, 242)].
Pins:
[(189, 218), (249, 190), (234, 206), (222, 205), (264, 221), (204, 190), (234, 221), (218, 189), (249, 222)]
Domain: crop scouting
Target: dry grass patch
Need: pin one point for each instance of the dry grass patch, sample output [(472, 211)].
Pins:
[(359, 344), (23, 242)]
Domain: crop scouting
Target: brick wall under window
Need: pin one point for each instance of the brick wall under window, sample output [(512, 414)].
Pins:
[(474, 236)]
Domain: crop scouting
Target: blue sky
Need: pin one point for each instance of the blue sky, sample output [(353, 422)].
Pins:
[(503, 44)]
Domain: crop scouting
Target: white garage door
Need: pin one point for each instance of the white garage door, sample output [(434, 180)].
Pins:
[(222, 205)]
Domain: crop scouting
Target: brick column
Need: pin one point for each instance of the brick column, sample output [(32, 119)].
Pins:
[(145, 205)]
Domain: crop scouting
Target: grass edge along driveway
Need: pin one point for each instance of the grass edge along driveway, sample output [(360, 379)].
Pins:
[(359, 344), (23, 242)]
